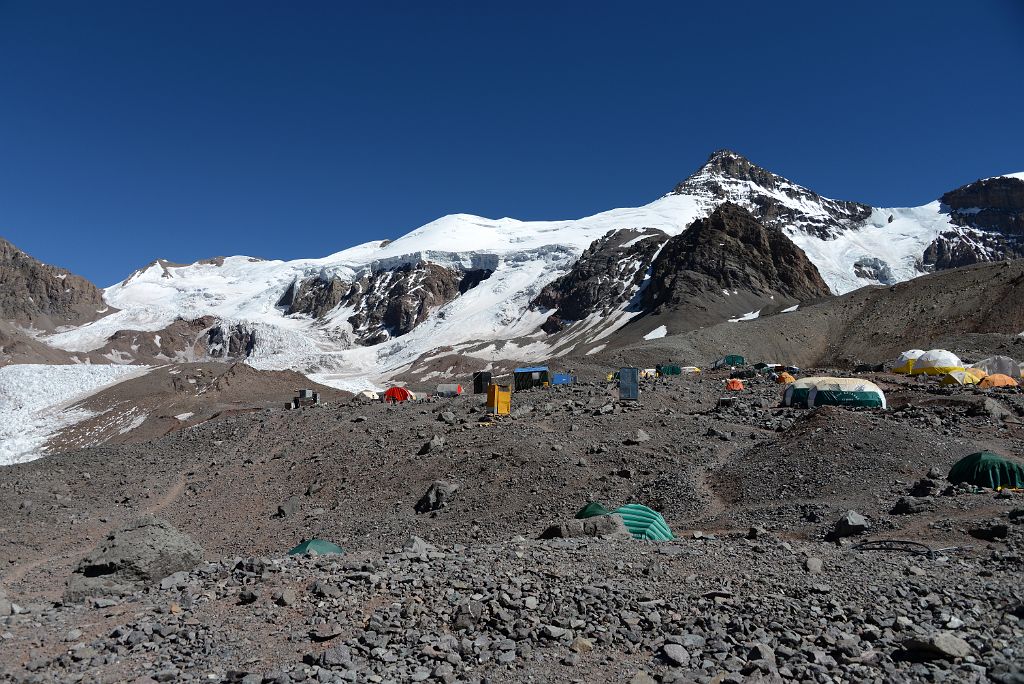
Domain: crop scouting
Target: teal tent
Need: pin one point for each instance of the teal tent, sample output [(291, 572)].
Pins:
[(985, 469), (591, 510), (644, 523), (318, 546)]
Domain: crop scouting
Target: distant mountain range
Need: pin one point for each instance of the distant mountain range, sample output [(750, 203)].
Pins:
[(730, 241)]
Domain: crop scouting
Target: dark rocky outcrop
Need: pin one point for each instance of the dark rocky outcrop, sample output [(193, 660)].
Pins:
[(132, 558), (731, 251), (314, 297), (606, 275), (44, 296), (730, 176), (989, 215), (230, 342)]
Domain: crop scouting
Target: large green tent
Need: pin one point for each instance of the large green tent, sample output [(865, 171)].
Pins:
[(643, 523), (318, 546), (985, 469)]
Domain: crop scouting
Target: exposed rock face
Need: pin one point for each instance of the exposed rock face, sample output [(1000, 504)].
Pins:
[(731, 251), (730, 176), (990, 218), (607, 275), (44, 296), (230, 342), (385, 303), (132, 558)]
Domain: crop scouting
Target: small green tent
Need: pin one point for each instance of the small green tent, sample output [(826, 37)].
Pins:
[(986, 469), (643, 523), (319, 546), (730, 360), (669, 369), (591, 510)]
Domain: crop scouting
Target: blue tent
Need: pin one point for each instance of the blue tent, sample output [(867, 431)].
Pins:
[(562, 379)]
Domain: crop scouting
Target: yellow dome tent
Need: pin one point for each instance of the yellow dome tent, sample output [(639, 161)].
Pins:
[(959, 378), (784, 378), (905, 362), (936, 362)]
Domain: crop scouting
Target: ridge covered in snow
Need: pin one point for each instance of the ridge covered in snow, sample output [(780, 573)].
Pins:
[(852, 245)]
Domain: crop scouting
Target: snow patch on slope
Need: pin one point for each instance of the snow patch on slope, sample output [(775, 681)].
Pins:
[(657, 333), (33, 401)]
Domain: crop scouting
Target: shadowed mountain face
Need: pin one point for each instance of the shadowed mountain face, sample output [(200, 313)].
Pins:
[(728, 252), (989, 219), (39, 295)]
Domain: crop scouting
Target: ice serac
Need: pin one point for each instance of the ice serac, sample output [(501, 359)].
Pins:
[(987, 224), (730, 256), (608, 274), (774, 200), (42, 296)]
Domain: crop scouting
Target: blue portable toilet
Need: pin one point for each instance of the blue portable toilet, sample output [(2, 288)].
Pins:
[(563, 379), (629, 384)]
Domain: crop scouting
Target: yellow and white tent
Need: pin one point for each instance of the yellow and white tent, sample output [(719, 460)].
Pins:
[(936, 362), (959, 378), (797, 392), (905, 362)]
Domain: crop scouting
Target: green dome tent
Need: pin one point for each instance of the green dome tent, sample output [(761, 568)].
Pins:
[(985, 469), (591, 510), (318, 546), (643, 523)]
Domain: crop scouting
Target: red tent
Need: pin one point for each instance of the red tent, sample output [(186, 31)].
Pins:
[(397, 394), (734, 384)]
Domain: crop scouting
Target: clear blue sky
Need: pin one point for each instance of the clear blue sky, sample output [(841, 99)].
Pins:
[(141, 129)]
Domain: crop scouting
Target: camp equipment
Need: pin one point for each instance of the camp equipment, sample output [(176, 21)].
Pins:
[(734, 385), (649, 373), (563, 379), (397, 394), (959, 378), (629, 384), (936, 362), (499, 400), (481, 379), (855, 392), (449, 390), (905, 362), (303, 397), (668, 369), (729, 360), (690, 369), (644, 523), (318, 546), (591, 510), (797, 392), (1003, 365), (997, 380), (986, 469), (743, 374), (784, 378), (533, 376)]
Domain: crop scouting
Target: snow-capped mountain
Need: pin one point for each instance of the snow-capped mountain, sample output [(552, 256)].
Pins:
[(465, 284)]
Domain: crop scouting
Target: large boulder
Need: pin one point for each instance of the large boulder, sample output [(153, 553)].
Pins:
[(850, 524), (438, 495), (132, 558), (611, 526)]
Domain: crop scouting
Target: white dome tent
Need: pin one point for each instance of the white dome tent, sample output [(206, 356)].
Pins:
[(905, 361), (937, 362)]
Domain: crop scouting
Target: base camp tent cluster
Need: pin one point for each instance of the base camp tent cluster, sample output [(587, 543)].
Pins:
[(991, 373)]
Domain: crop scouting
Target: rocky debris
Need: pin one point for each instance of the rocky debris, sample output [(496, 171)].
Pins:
[(638, 437), (850, 524), (610, 526), (814, 566), (132, 558), (432, 445), (289, 507), (438, 495), (606, 275), (940, 645)]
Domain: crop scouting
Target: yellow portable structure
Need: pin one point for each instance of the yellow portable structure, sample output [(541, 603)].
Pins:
[(936, 362), (499, 399)]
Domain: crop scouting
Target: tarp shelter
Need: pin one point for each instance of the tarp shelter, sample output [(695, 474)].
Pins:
[(997, 380), (784, 378), (745, 373), (397, 394), (367, 395), (729, 360), (318, 546), (905, 362), (959, 378), (846, 392), (797, 392), (499, 400), (644, 523), (936, 362), (629, 384), (668, 369), (985, 469), (563, 379), (591, 510), (533, 376), (449, 390), (1003, 365), (481, 380), (734, 385)]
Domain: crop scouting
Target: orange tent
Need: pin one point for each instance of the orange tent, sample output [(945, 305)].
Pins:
[(997, 380), (397, 394), (784, 378), (734, 384)]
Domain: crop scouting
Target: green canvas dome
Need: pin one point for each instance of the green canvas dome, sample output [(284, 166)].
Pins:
[(318, 546), (985, 469), (591, 510), (644, 523)]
